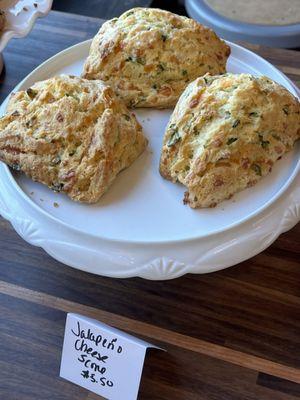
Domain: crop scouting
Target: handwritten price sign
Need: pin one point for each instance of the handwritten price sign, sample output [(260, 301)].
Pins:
[(102, 359)]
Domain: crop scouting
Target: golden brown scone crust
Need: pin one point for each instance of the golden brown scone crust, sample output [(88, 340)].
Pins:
[(225, 134), (72, 134), (149, 56)]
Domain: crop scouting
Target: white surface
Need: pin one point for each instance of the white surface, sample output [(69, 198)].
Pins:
[(141, 227), (20, 17), (115, 368)]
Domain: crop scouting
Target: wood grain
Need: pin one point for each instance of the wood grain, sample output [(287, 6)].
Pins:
[(149, 331), (229, 335)]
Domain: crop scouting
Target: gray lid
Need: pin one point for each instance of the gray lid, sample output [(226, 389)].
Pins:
[(274, 36)]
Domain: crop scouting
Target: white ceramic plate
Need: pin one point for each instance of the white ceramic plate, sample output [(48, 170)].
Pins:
[(140, 227)]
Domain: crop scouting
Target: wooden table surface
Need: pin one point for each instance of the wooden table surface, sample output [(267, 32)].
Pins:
[(231, 335)]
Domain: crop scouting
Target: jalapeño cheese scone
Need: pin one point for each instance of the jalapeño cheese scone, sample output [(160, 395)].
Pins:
[(149, 56), (72, 134), (226, 133)]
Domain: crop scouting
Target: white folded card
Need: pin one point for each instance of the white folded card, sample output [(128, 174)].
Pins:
[(102, 359)]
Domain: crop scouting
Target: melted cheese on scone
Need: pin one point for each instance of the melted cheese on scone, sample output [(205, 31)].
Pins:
[(149, 56), (72, 134), (225, 134)]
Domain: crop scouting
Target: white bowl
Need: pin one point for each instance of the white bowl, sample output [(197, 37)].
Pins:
[(285, 36)]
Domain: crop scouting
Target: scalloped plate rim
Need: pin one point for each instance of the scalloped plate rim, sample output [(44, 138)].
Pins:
[(12, 33)]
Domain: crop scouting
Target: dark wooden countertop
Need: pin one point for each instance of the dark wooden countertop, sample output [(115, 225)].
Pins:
[(231, 335)]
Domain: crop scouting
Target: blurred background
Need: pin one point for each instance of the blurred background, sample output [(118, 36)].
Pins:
[(112, 8), (273, 23)]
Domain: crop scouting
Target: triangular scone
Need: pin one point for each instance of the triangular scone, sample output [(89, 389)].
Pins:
[(225, 134), (72, 134), (149, 56)]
